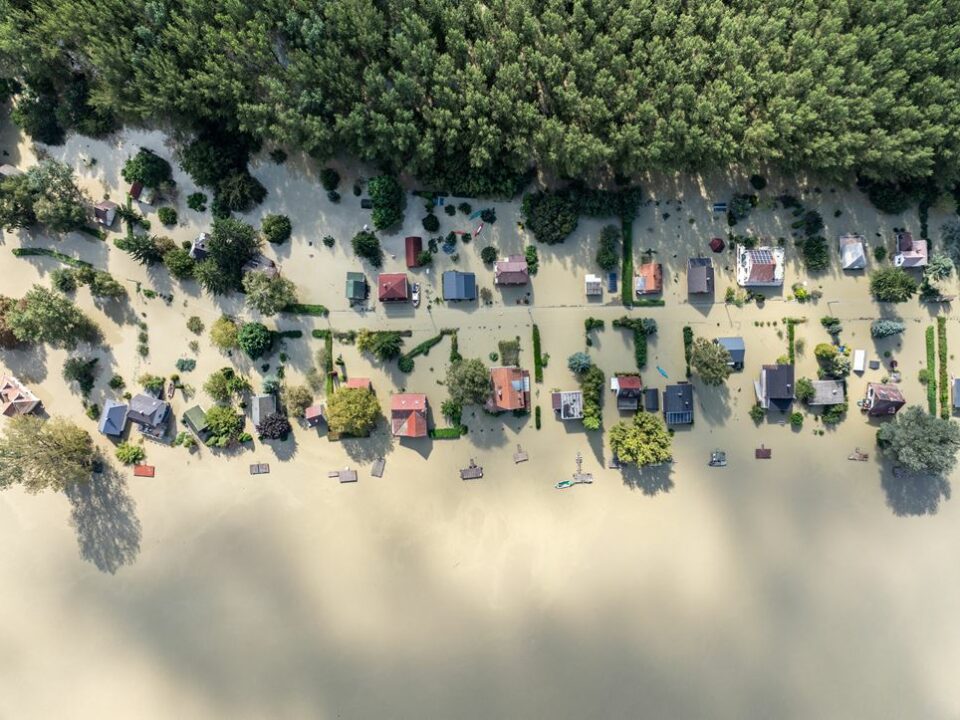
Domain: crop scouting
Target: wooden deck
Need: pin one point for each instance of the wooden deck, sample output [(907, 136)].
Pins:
[(520, 455), (259, 469), (763, 453), (472, 471)]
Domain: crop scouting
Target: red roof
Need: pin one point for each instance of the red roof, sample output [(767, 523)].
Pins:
[(763, 272), (629, 382), (512, 271), (360, 383), (135, 190), (414, 248), (408, 414), (144, 471), (393, 287), (511, 389)]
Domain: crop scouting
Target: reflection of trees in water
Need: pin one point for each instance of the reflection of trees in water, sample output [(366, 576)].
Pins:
[(911, 494), (104, 516)]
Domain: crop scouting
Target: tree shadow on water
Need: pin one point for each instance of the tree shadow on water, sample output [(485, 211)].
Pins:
[(909, 494), (650, 480), (105, 519)]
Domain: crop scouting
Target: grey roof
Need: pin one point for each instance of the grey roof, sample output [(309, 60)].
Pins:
[(734, 346), (196, 419), (827, 392), (459, 285), (198, 249), (261, 406), (956, 393), (779, 384), (678, 404), (651, 400), (113, 419), (148, 410), (700, 275), (356, 286)]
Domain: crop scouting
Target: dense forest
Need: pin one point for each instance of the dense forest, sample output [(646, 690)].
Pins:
[(469, 95)]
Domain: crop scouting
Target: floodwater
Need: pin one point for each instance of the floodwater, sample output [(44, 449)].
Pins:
[(803, 586)]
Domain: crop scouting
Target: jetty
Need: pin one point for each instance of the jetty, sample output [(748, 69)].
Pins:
[(520, 455), (579, 477), (472, 471)]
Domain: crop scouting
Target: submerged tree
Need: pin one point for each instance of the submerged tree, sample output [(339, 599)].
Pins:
[(643, 441), (920, 442), (710, 360), (44, 454), (468, 382), (353, 411)]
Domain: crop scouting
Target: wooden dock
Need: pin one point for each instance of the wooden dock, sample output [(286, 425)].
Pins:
[(762, 453), (472, 471), (520, 455)]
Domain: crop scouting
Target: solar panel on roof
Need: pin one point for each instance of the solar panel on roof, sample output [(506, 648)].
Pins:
[(762, 256)]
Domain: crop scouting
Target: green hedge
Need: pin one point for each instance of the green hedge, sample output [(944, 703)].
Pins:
[(66, 259), (639, 326), (93, 232), (447, 433), (455, 355), (687, 345), (648, 302), (945, 409), (931, 372), (405, 361), (303, 309), (537, 357), (290, 333), (536, 417), (626, 269)]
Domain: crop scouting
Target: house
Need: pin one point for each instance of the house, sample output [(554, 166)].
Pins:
[(759, 267), (459, 286), (314, 415), (148, 196), (852, 253), (408, 415), (105, 212), (414, 246), (593, 285), (357, 288), (113, 419), (775, 387), (736, 348), (649, 279), (511, 270), (261, 407), (882, 400), (195, 418), (699, 276), (359, 383), (511, 389), (827, 392), (910, 253), (261, 263), (678, 404), (198, 248), (651, 400), (393, 287), (150, 414), (136, 190), (9, 171), (15, 398), (956, 394), (567, 404), (629, 389)]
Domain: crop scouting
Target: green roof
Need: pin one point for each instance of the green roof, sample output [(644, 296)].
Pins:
[(196, 418), (356, 286)]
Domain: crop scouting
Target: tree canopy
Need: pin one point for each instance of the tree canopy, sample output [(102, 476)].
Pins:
[(710, 361), (920, 442), (45, 316), (268, 294), (468, 95), (45, 194), (468, 382), (44, 454), (643, 441), (353, 411)]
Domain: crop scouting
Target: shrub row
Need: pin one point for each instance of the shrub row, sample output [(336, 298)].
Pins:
[(405, 363), (537, 357), (536, 417), (642, 327), (649, 302), (942, 354), (931, 372), (290, 333), (304, 309), (687, 345), (447, 433), (66, 259), (626, 270)]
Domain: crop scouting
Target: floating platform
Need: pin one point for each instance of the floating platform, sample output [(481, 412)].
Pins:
[(472, 471)]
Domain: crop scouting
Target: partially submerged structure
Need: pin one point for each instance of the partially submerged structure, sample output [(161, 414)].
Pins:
[(737, 349), (261, 263), (853, 254), (408, 415), (648, 279), (827, 392), (775, 387), (593, 285), (15, 398), (413, 246), (678, 404), (882, 400), (105, 213), (629, 391), (359, 383), (393, 287), (760, 267), (512, 270), (459, 286), (567, 404), (195, 418), (315, 415), (700, 276), (357, 288), (150, 414), (910, 253), (113, 419), (510, 391), (198, 248), (261, 407)]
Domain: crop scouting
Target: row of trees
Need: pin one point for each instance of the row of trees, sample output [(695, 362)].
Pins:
[(468, 95)]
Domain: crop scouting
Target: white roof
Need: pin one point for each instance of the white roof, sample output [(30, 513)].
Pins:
[(852, 253)]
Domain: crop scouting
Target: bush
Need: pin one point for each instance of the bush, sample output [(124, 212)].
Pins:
[(186, 364), (116, 383), (815, 253), (431, 223), (224, 332), (276, 229), (758, 182), (489, 254), (151, 383), (796, 419), (333, 196), (383, 345), (424, 258), (465, 208), (608, 251), (804, 390), (167, 215), (63, 280), (551, 217), (886, 328), (195, 325), (579, 362), (533, 259), (296, 399), (179, 263), (887, 197), (197, 201), (254, 339), (148, 168), (892, 284), (832, 414), (366, 245), (450, 210), (879, 253), (81, 371), (488, 215), (387, 198), (329, 241), (274, 427), (128, 453), (757, 413), (329, 179)]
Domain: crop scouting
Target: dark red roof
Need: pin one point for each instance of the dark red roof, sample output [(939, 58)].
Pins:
[(414, 247), (629, 382), (135, 190), (393, 287)]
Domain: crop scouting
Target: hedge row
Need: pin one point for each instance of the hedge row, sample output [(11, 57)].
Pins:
[(687, 345), (447, 433), (405, 362), (945, 409), (626, 270), (931, 372), (649, 302), (537, 357), (641, 327), (66, 259), (536, 417), (304, 309), (290, 333)]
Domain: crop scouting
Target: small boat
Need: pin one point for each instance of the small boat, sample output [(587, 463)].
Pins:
[(415, 295), (564, 484), (171, 389), (718, 458), (662, 372)]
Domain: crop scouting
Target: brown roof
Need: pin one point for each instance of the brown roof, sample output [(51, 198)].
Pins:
[(414, 245), (359, 382), (763, 272), (511, 388), (393, 287), (699, 275), (511, 271), (629, 382), (135, 190), (652, 274), (15, 398), (408, 414)]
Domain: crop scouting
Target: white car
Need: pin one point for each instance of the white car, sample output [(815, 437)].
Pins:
[(415, 296)]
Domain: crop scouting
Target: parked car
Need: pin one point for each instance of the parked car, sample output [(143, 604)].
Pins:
[(415, 295)]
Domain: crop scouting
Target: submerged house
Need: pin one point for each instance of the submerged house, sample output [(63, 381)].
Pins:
[(910, 253), (359, 383), (775, 387), (408, 415), (413, 246), (629, 391), (393, 287), (567, 404), (648, 279), (261, 407), (198, 248), (882, 400), (15, 398), (852, 252), (113, 419), (678, 404), (512, 270), (261, 263), (150, 414), (511, 389), (357, 288), (105, 212), (737, 349), (700, 276), (195, 418), (593, 285), (827, 392), (760, 267), (459, 286)]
